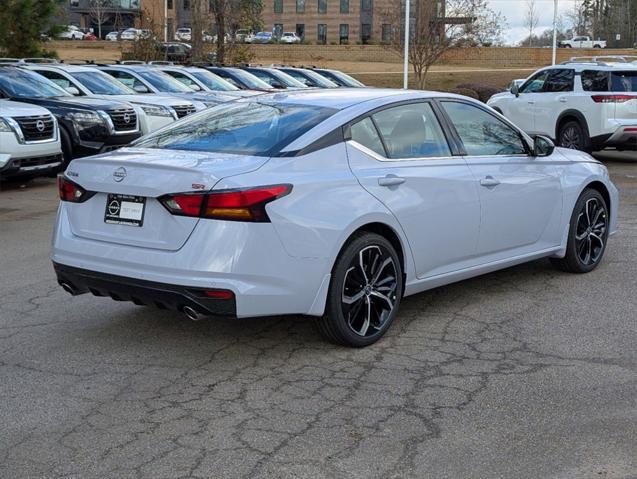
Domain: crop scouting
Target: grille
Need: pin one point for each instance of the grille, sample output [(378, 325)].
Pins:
[(36, 128), (183, 110), (124, 119)]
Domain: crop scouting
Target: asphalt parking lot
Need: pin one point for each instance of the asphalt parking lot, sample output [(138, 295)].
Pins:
[(524, 373)]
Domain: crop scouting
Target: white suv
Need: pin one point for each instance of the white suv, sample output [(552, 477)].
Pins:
[(585, 104), (29, 140)]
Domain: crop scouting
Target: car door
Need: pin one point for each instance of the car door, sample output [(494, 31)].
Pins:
[(520, 195), (401, 155), (522, 107), (555, 97)]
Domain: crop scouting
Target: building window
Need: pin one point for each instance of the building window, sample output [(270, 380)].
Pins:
[(386, 33), (366, 5), (366, 33), (300, 6), (322, 6), (343, 33), (186, 4), (278, 6), (169, 4), (344, 6), (322, 34), (300, 31)]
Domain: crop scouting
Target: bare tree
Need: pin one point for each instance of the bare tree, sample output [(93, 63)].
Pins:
[(229, 15), (436, 27), (99, 12), (531, 19)]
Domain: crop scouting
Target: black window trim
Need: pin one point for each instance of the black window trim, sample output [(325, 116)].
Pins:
[(485, 109)]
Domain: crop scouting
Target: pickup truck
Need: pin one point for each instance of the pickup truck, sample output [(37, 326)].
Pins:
[(582, 42)]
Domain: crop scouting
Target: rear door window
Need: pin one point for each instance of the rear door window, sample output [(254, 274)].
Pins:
[(560, 80)]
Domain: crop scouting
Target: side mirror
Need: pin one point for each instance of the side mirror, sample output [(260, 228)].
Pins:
[(542, 146), (515, 89), (73, 90), (277, 85), (140, 88)]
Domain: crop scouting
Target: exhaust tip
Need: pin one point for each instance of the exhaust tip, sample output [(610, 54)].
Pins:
[(68, 287), (191, 313)]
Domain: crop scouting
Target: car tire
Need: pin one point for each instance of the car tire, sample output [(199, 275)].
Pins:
[(365, 292), (587, 236), (574, 136), (67, 148)]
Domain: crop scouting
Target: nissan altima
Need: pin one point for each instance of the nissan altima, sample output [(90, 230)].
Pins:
[(329, 203)]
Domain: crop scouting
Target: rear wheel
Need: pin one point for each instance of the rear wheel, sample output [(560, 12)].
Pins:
[(572, 135), (365, 292), (587, 236)]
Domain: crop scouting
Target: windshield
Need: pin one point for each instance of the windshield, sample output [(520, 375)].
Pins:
[(310, 78), (273, 76), (164, 82), (213, 81), (101, 83), (341, 78), (24, 84), (249, 128), (250, 80)]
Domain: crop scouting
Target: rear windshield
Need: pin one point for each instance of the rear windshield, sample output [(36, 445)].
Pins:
[(615, 81), (249, 128)]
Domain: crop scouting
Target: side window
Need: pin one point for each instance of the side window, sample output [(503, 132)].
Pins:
[(595, 80), (560, 80), (534, 84), (127, 79), (412, 131), (483, 134), (365, 133), (56, 78), (181, 78)]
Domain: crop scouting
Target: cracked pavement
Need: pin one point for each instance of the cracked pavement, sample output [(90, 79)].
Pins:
[(523, 373)]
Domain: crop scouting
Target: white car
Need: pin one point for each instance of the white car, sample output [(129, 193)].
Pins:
[(587, 105), (244, 36), (113, 36), (289, 37), (183, 34), (154, 111), (131, 34), (71, 33), (200, 79), (333, 204), (582, 42), (29, 140)]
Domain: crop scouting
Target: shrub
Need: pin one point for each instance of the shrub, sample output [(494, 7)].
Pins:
[(484, 91), (466, 92)]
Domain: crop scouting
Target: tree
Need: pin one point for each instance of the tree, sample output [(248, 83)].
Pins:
[(22, 22), (229, 15), (435, 29), (99, 12), (531, 19)]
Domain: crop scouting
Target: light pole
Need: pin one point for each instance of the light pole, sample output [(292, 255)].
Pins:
[(406, 59), (165, 20), (554, 31)]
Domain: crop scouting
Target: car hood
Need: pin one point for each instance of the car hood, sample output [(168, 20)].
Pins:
[(84, 103), (13, 108), (575, 155), (149, 99)]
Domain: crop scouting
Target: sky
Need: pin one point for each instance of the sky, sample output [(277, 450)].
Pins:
[(515, 11)]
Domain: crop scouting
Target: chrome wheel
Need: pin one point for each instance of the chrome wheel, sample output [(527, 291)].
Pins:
[(591, 232), (369, 290), (571, 138)]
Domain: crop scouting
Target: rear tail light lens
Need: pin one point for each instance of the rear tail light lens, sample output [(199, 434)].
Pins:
[(230, 205), (613, 98), (72, 192)]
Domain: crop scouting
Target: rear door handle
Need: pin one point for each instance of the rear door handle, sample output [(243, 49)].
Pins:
[(489, 182), (563, 100), (391, 180)]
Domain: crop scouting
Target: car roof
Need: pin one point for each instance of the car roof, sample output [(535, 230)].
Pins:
[(63, 67), (341, 98)]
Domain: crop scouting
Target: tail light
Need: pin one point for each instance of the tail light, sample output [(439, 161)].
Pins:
[(613, 98), (72, 192), (230, 205)]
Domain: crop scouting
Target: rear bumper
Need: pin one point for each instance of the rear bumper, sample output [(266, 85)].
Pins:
[(624, 138), (141, 292)]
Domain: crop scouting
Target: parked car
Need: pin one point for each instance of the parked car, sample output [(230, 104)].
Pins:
[(183, 35), (200, 79), (275, 78), (131, 34), (375, 160), (240, 78), (114, 35), (244, 36), (309, 77), (147, 79), (582, 42), (289, 37), (586, 106), (263, 37), (176, 51), (154, 111), (71, 33), (29, 140), (338, 77), (87, 125)]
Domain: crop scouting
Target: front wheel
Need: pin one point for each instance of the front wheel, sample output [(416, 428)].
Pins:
[(365, 292), (587, 236)]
